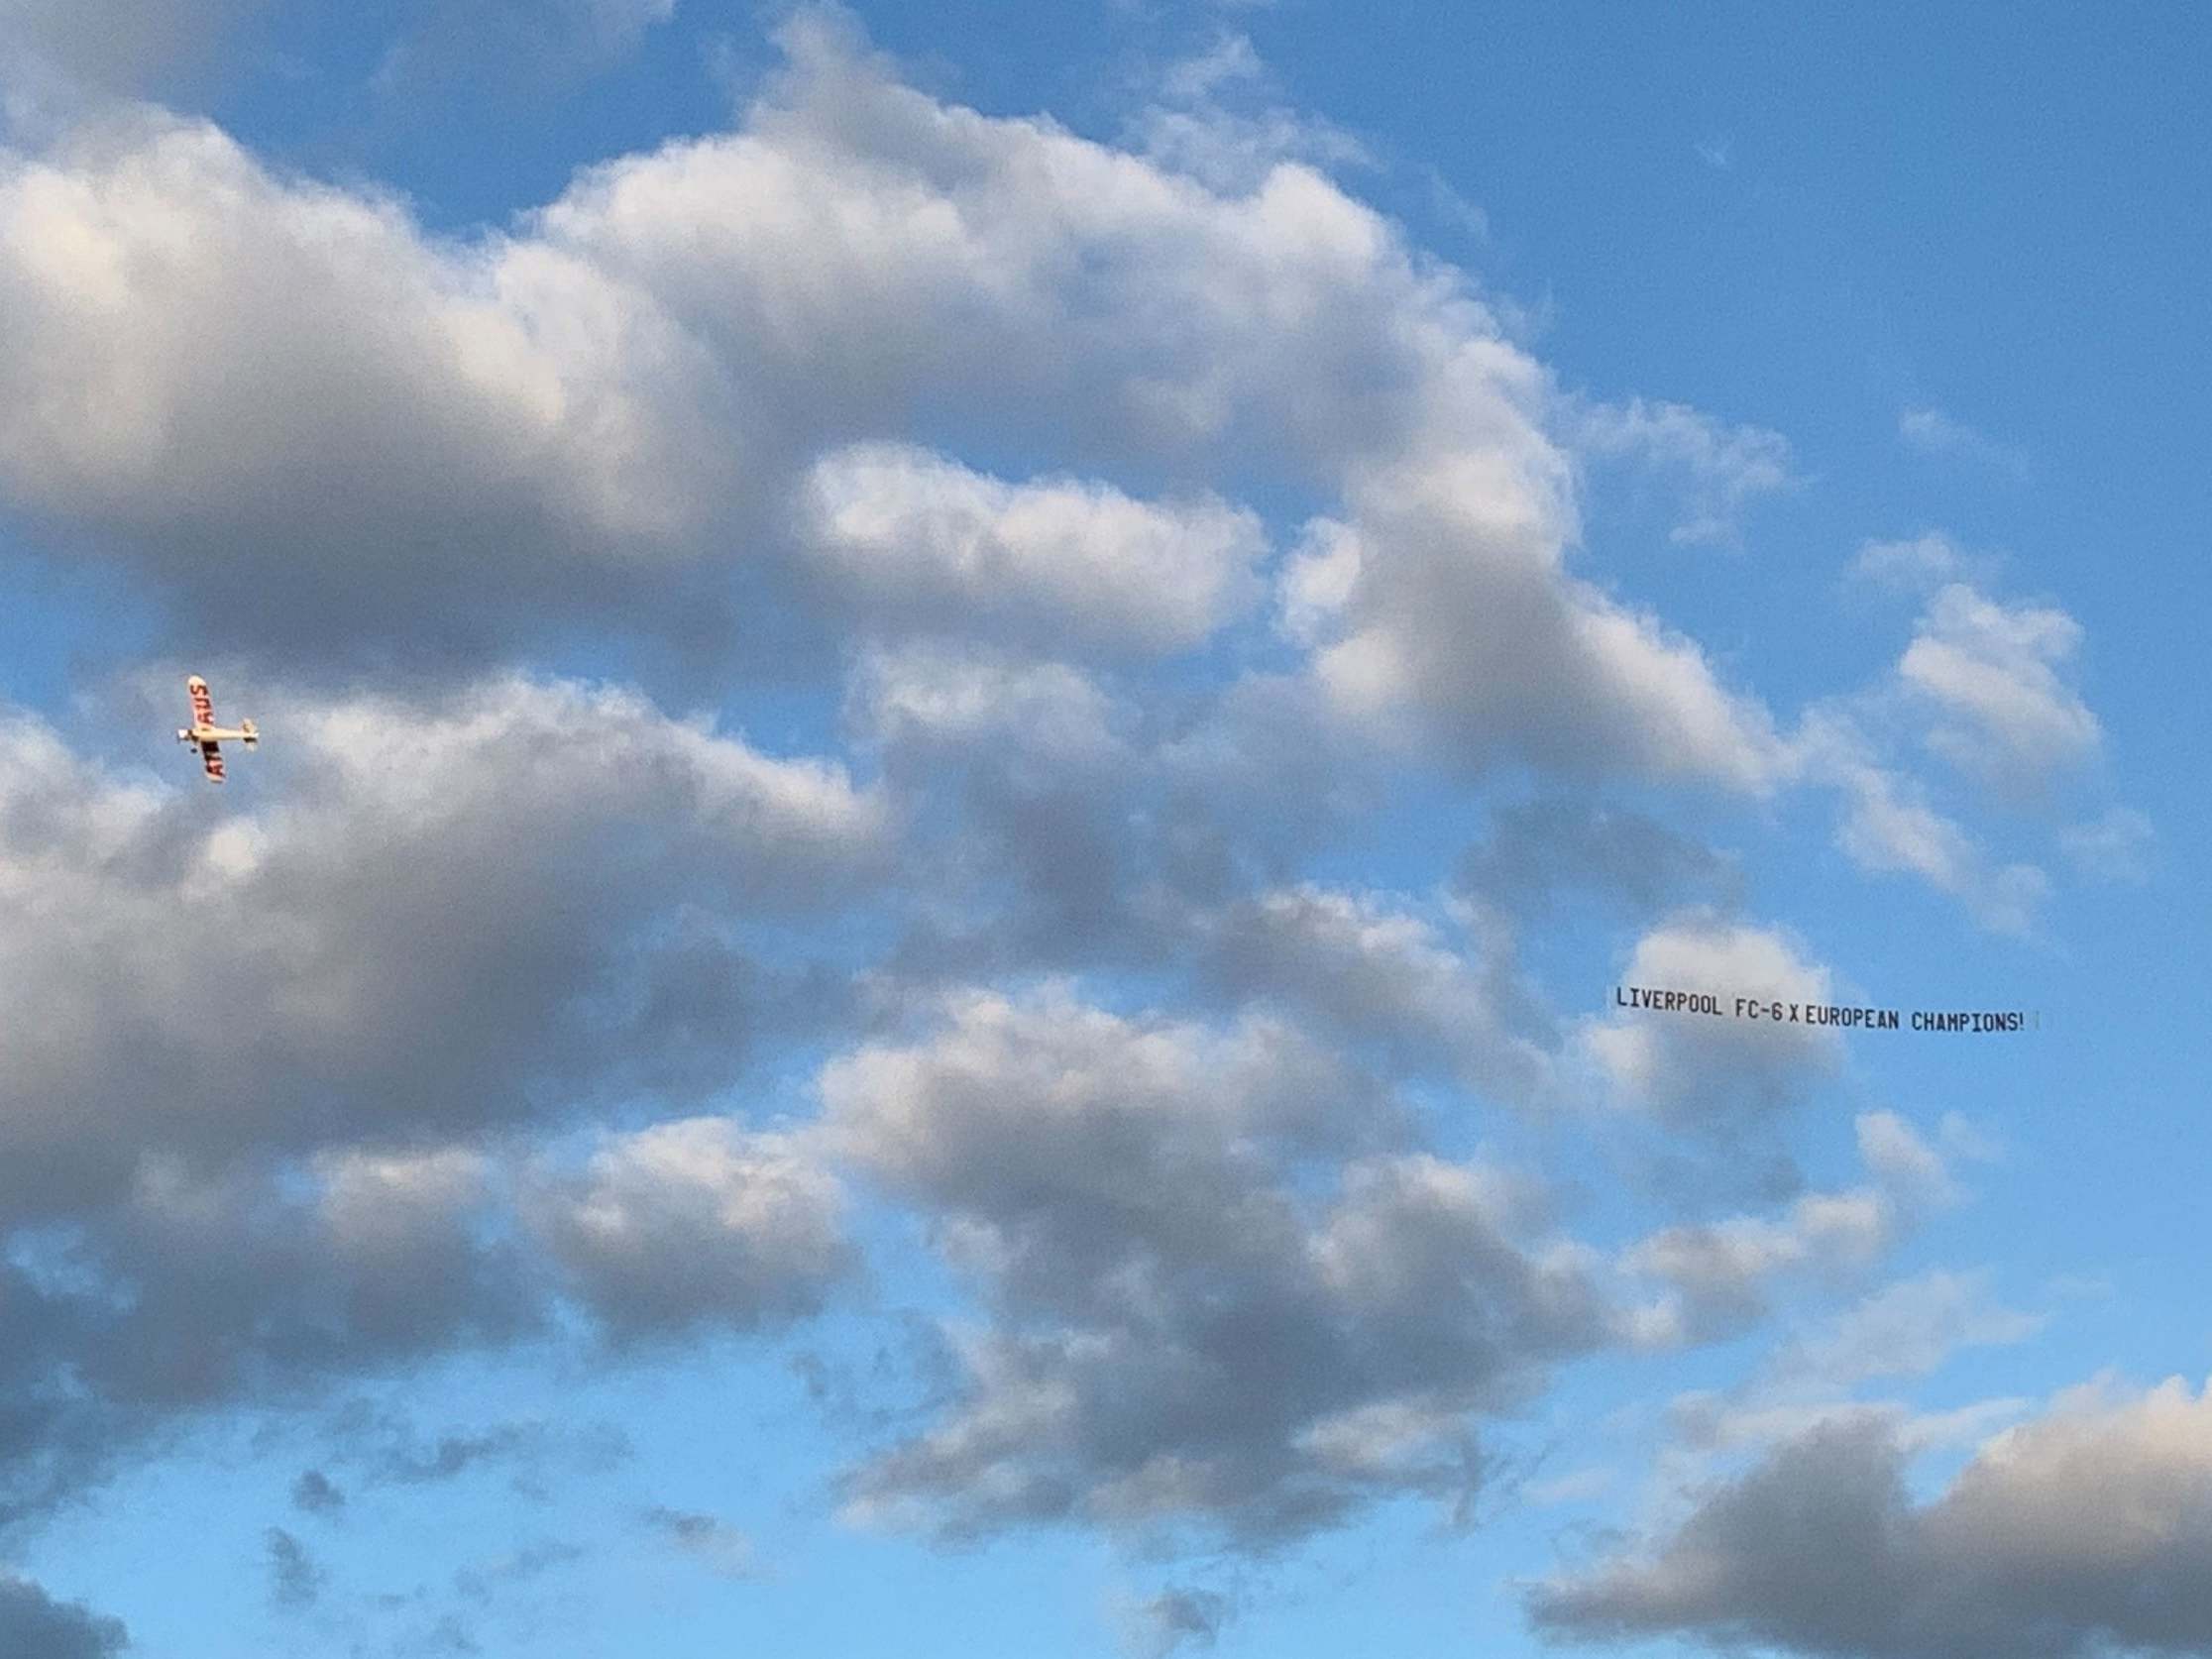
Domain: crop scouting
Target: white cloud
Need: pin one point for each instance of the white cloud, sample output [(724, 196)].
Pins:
[(1722, 468), (1907, 1329), (1721, 1275), (285, 403), (2115, 847), (1918, 565), (1888, 827), (1931, 431), (915, 540), (1992, 670)]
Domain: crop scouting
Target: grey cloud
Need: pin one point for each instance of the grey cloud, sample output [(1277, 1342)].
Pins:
[(1180, 1617), (525, 900), (1382, 975), (1179, 1335), (723, 1550), (1708, 1074), (1538, 852), (56, 54), (693, 1221), (2083, 1531), (295, 1578), (385, 1448), (316, 1494), (33, 1626)]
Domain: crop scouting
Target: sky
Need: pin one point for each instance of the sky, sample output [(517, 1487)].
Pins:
[(972, 718)]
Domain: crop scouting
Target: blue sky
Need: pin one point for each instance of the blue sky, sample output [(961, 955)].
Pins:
[(968, 711)]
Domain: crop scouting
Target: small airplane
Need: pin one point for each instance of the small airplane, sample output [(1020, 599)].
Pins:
[(207, 734)]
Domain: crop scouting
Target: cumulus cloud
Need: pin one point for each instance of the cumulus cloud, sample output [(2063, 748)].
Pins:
[(2081, 1531), (1380, 974), (697, 1220), (1177, 1333), (1537, 852), (55, 56), (1721, 1275), (260, 1039), (303, 412), (1442, 612), (917, 541), (459, 912), (1993, 674), (1697, 1070)]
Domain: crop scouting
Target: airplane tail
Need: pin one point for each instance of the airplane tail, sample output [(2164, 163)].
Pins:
[(253, 734)]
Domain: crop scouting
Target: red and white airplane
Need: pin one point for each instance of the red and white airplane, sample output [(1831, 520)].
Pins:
[(207, 734)]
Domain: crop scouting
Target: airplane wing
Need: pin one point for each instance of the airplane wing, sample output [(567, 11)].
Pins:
[(204, 706), (211, 759)]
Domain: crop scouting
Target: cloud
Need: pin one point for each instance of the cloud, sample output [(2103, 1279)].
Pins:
[(295, 1578), (723, 1548), (1991, 671), (33, 1626), (918, 542), (1933, 432), (1179, 1618), (696, 1220), (1217, 117), (58, 55), (1440, 613), (1703, 1073), (2115, 847), (1379, 974), (1722, 468), (621, 404), (541, 42), (1918, 565), (468, 910), (537, 910), (316, 1494), (1721, 1275), (1178, 1335), (2081, 1531), (1538, 850), (1908, 1329), (1889, 826)]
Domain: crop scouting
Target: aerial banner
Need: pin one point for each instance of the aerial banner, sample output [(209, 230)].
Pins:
[(1769, 1010)]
